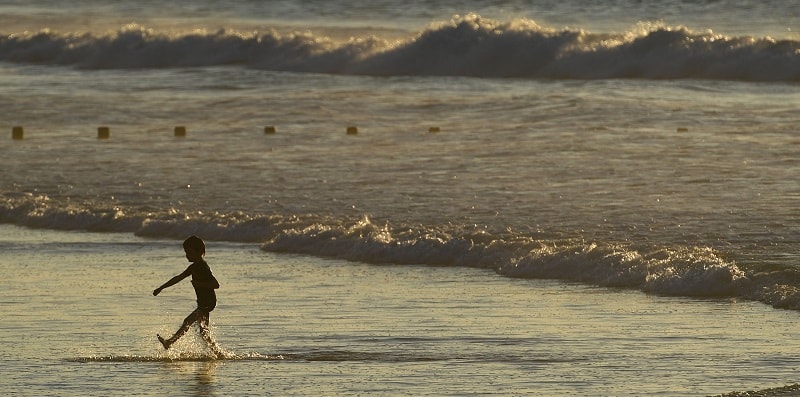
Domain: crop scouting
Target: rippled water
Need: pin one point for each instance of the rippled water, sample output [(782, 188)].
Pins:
[(503, 155), (80, 321)]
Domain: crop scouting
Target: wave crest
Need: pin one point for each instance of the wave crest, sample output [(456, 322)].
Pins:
[(464, 46), (696, 271)]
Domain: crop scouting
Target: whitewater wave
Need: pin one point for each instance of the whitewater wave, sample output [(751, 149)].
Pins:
[(694, 271), (464, 46)]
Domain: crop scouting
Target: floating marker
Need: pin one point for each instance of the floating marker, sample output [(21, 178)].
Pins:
[(352, 130), (270, 129), (103, 132), (180, 131), (683, 129), (17, 133), (433, 130)]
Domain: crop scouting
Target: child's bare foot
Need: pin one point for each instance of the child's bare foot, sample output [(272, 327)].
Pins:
[(163, 341)]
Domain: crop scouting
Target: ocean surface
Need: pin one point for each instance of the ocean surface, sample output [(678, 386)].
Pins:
[(575, 197)]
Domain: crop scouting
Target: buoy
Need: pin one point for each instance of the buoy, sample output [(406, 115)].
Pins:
[(17, 133), (433, 130), (103, 132), (180, 131), (683, 129), (270, 129), (352, 130)]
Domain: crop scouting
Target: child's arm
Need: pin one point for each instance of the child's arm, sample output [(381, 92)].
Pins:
[(172, 281)]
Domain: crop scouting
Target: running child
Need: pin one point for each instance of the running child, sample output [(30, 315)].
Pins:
[(204, 284)]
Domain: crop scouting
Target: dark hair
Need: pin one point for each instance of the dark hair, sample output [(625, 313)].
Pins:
[(195, 243)]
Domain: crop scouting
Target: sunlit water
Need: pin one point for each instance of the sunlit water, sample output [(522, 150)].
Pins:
[(553, 198), (79, 320)]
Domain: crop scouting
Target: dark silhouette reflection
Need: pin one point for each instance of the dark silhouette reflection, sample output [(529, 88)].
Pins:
[(206, 380), (204, 383)]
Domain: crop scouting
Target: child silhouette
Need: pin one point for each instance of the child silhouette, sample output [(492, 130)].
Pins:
[(204, 284)]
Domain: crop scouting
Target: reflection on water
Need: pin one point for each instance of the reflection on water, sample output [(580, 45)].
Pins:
[(203, 380), (307, 326)]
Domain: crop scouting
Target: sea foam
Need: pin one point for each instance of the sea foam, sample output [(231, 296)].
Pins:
[(696, 271), (464, 46)]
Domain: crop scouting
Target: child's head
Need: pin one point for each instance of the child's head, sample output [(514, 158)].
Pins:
[(194, 244)]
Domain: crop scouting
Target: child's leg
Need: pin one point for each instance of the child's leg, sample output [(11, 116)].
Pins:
[(202, 322), (187, 322)]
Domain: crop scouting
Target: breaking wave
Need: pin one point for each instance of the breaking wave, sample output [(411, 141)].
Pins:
[(464, 46), (695, 271)]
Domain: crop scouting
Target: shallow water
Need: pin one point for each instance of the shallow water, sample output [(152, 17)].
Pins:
[(648, 154), (80, 320)]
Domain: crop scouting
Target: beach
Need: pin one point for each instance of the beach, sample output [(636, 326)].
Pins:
[(81, 320), (518, 198)]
